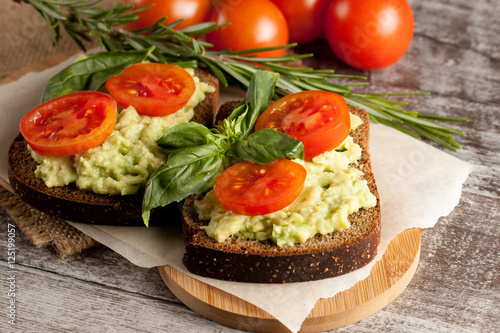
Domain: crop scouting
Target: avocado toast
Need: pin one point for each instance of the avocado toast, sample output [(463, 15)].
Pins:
[(69, 202), (322, 256)]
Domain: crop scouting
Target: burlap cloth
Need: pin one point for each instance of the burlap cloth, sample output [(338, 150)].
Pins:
[(44, 230), (24, 39)]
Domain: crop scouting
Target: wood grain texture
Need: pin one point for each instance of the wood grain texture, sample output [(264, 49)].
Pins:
[(455, 55), (44, 306)]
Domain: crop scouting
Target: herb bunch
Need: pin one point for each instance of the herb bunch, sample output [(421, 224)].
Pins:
[(85, 20), (197, 155)]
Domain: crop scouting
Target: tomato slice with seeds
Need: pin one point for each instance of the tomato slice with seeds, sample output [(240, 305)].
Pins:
[(252, 189), (153, 89), (319, 119), (70, 124)]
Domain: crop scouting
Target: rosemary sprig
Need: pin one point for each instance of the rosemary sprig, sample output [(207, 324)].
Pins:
[(83, 20)]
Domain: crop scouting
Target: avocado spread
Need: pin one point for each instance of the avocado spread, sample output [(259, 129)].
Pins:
[(333, 189), (124, 162)]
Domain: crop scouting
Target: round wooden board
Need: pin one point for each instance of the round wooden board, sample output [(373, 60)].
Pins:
[(387, 279)]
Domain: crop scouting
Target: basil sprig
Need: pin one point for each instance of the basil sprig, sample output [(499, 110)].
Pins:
[(197, 155), (90, 73)]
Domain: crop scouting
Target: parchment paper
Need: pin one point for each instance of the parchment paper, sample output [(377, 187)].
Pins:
[(417, 184)]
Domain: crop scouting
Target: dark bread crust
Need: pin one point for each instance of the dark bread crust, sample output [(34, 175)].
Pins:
[(205, 112), (72, 204), (238, 259)]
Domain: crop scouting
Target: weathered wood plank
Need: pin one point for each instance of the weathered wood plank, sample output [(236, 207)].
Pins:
[(473, 25), (49, 302), (99, 265), (446, 69)]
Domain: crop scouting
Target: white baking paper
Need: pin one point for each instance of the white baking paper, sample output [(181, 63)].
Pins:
[(417, 184)]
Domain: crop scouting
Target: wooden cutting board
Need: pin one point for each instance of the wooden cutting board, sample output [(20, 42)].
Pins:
[(387, 279)]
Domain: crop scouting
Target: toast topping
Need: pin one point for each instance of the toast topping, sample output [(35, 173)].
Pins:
[(123, 163), (333, 189)]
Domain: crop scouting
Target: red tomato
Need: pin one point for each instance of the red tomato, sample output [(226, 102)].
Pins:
[(254, 24), (369, 34), (70, 124), (152, 89), (305, 18), (252, 189), (192, 11), (319, 119)]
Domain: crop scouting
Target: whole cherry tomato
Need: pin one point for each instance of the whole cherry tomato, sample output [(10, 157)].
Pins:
[(153, 89), (70, 124), (191, 11), (252, 189), (319, 119), (305, 18), (254, 24), (369, 34)]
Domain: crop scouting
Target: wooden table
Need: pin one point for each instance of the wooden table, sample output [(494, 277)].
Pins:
[(455, 55)]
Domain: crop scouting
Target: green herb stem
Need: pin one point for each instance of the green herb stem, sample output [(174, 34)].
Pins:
[(196, 154), (85, 20)]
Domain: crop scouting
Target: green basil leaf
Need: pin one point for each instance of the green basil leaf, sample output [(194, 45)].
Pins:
[(90, 73), (187, 171), (197, 154), (258, 96), (183, 136), (267, 145)]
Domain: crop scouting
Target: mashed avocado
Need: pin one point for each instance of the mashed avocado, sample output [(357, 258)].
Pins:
[(124, 162), (331, 192)]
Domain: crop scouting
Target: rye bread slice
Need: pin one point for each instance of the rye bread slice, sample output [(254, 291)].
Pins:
[(72, 204), (243, 260)]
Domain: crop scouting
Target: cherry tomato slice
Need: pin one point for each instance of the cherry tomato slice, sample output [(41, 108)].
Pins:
[(70, 124), (252, 189), (153, 89), (319, 119)]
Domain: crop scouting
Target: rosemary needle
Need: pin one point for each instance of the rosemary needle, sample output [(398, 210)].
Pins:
[(84, 20)]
